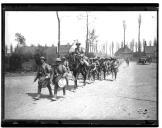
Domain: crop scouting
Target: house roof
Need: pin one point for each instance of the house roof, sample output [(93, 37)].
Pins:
[(150, 49), (124, 50)]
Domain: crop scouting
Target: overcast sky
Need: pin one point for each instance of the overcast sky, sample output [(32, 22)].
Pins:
[(42, 27)]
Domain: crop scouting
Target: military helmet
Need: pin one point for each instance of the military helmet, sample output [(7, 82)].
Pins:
[(42, 58), (63, 58), (77, 43), (58, 60)]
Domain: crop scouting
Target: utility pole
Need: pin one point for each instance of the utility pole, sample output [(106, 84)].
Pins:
[(124, 26), (58, 33), (87, 43), (139, 45)]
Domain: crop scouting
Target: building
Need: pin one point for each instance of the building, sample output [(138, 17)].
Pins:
[(151, 51), (26, 50), (64, 50), (124, 52), (51, 54)]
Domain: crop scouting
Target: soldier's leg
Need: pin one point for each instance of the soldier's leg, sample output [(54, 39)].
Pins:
[(39, 92), (64, 90), (49, 89), (55, 91)]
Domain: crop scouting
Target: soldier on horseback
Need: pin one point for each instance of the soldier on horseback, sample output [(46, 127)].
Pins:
[(80, 53), (43, 76), (78, 49)]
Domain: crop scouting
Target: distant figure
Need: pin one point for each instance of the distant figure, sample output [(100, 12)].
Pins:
[(127, 61), (149, 59), (43, 76)]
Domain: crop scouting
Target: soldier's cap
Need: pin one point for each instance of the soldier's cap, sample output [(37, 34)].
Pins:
[(78, 43), (63, 57), (42, 58), (58, 60)]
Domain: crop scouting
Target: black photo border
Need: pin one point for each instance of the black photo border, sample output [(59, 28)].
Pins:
[(75, 7)]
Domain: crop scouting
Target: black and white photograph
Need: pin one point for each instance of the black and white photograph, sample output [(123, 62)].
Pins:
[(80, 64)]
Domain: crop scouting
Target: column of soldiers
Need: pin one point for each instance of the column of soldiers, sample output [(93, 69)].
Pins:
[(50, 75)]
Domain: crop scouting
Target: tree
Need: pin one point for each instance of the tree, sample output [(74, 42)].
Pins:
[(117, 46), (112, 48), (150, 42), (155, 42), (11, 48), (6, 49), (132, 45), (20, 39), (122, 44), (15, 62), (92, 38), (136, 46)]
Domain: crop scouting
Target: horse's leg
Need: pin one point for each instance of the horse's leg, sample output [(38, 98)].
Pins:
[(115, 74), (94, 75), (84, 76), (112, 72), (104, 74), (64, 90), (75, 80), (67, 81), (98, 74)]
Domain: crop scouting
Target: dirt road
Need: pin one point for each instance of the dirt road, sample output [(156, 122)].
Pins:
[(131, 96)]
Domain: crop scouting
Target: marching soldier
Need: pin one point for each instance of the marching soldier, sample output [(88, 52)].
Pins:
[(66, 64), (43, 76), (58, 73), (93, 69)]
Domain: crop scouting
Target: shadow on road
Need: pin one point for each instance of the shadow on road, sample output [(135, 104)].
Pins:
[(109, 80), (43, 96), (143, 64), (33, 95)]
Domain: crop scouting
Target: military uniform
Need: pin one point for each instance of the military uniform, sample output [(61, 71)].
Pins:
[(59, 71), (43, 76), (79, 51)]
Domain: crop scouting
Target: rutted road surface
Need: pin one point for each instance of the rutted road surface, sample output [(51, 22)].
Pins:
[(131, 96)]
